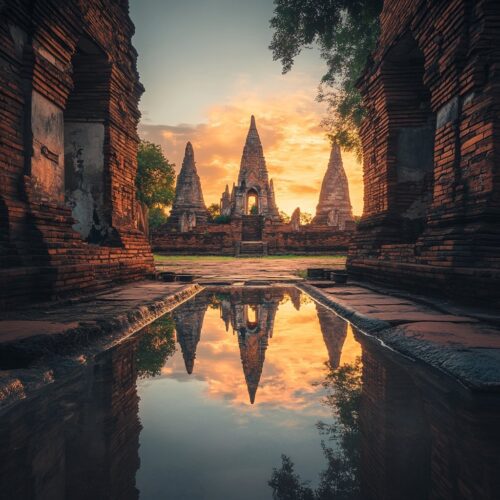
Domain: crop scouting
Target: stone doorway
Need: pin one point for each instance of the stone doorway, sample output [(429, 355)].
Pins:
[(252, 228)]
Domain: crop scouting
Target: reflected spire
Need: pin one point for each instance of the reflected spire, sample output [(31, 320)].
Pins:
[(253, 352), (334, 330), (188, 322)]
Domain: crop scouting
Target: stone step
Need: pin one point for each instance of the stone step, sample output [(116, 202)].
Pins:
[(256, 248)]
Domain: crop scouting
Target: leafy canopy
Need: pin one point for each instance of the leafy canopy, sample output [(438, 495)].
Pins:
[(155, 179), (346, 32)]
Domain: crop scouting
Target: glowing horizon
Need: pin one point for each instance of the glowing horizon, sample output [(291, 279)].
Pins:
[(295, 147), (205, 72)]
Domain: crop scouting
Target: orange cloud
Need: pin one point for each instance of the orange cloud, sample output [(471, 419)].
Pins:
[(295, 147), (294, 361)]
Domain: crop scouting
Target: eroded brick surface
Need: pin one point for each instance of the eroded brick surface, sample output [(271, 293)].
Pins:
[(69, 91), (430, 149)]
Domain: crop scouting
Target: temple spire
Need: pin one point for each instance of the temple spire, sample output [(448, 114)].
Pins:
[(188, 209), (334, 207)]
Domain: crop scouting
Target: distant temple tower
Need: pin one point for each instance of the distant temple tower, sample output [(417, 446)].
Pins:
[(254, 193), (334, 207), (188, 208)]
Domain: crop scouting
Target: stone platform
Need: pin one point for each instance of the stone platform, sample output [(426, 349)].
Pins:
[(289, 269), (52, 338), (459, 341)]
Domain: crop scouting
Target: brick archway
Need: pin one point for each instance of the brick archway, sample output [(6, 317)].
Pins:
[(409, 141)]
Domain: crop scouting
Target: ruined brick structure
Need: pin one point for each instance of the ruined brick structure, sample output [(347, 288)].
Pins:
[(253, 225), (334, 207), (69, 109), (431, 145), (254, 193), (188, 209)]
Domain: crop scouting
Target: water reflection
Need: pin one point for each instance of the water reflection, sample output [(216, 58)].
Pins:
[(249, 314), (399, 431), (77, 440), (368, 425)]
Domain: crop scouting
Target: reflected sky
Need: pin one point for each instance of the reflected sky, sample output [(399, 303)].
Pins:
[(219, 441)]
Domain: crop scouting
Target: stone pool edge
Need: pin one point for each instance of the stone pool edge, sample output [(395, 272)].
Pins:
[(20, 384), (477, 369)]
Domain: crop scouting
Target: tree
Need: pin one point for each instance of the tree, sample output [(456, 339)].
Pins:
[(284, 217), (346, 32), (157, 217), (155, 179), (157, 344), (340, 480), (305, 218), (213, 211)]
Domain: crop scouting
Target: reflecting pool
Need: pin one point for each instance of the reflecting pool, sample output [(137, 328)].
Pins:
[(246, 392)]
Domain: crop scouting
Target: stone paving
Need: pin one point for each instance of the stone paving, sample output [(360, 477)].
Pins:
[(128, 305), (269, 269), (461, 341)]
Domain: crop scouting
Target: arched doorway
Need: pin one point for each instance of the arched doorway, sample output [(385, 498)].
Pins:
[(85, 139), (411, 136), (252, 202)]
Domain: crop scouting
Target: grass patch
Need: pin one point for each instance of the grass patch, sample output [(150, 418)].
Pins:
[(218, 258)]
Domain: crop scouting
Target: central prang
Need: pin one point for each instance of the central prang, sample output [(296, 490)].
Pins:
[(254, 194)]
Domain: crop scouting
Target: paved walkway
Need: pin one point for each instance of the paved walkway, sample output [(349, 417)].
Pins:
[(244, 269), (463, 342), (128, 306)]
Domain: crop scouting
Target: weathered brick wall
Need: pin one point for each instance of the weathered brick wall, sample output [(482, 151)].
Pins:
[(221, 239), (211, 239), (63, 63), (420, 437), (311, 238), (430, 148)]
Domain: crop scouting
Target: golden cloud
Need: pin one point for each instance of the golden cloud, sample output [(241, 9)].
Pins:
[(294, 361), (295, 147)]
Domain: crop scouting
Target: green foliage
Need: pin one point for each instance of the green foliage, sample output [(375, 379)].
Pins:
[(157, 344), (284, 217), (213, 211), (346, 32), (340, 480), (155, 179), (156, 217), (305, 218), (222, 219), (254, 210), (286, 484)]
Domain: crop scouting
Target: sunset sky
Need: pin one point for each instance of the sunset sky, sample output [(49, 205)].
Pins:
[(206, 67)]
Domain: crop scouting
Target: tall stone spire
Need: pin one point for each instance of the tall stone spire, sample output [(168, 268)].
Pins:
[(334, 207), (253, 169), (253, 179), (188, 209)]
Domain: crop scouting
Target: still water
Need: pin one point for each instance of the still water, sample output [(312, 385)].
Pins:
[(245, 392)]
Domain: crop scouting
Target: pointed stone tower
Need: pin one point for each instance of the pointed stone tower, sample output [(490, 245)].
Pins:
[(188, 209), (225, 202), (253, 180), (334, 207)]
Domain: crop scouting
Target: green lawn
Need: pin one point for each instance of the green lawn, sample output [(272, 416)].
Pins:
[(218, 258)]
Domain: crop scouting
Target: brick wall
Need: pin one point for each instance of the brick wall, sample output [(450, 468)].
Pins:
[(221, 239), (43, 252), (430, 149)]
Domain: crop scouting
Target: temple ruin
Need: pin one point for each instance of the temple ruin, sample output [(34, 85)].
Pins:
[(188, 208), (430, 150), (334, 207), (252, 223), (69, 100)]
